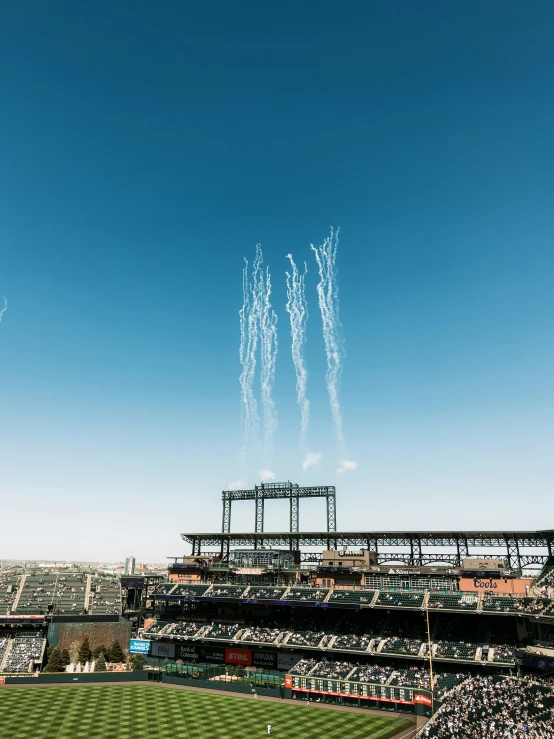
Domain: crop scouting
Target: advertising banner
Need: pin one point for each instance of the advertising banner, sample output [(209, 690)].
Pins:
[(238, 656), (287, 661), (264, 659), (139, 646), (161, 649), (418, 698), (197, 653)]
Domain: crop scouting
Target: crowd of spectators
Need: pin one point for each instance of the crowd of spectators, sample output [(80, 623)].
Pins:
[(22, 653), (306, 594), (503, 653), (223, 631), (8, 591), (352, 641), (183, 628), (494, 707), (260, 634), (304, 666), (264, 593), (398, 645), (334, 669), (455, 650), (306, 638), (371, 674)]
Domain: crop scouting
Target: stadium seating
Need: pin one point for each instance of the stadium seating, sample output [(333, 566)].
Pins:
[(455, 650), (364, 597), (227, 591), (400, 600), (190, 589), (398, 645), (444, 682), (459, 602), (505, 604), (56, 593), (310, 595), (183, 629), (304, 666), (264, 593), (154, 628), (503, 654), (22, 653), (10, 584), (222, 631), (105, 595), (4, 641), (334, 669), (371, 674), (305, 638), (164, 588), (353, 642), (416, 676), (494, 706), (260, 634)]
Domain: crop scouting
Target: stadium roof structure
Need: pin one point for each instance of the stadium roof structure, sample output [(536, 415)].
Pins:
[(458, 542)]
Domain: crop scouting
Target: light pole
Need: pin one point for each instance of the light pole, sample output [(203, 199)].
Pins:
[(430, 659)]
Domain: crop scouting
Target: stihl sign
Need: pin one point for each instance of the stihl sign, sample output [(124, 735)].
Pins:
[(238, 656)]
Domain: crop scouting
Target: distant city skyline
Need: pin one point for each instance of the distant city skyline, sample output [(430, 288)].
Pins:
[(148, 151)]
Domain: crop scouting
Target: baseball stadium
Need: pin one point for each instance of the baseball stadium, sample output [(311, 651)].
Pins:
[(360, 634)]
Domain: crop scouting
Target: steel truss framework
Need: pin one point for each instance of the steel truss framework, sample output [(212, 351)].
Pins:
[(275, 491), (415, 543)]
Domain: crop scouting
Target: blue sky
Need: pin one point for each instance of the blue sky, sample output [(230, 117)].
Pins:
[(146, 151)]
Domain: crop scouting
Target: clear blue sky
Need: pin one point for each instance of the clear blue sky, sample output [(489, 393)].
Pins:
[(147, 148)]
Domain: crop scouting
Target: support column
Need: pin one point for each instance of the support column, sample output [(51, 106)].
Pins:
[(294, 511), (259, 522), (226, 522), (331, 511)]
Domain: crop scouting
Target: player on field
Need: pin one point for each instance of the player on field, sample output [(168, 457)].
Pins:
[(269, 729)]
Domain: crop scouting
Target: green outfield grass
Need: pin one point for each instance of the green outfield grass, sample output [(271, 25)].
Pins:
[(150, 712)]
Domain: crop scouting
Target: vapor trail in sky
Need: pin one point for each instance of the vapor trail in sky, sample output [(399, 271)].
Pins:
[(297, 308), (327, 292), (268, 331), (328, 298), (4, 309), (249, 316)]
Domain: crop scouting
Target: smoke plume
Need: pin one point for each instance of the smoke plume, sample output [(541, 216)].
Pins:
[(328, 298), (4, 309), (268, 329), (311, 459), (297, 309)]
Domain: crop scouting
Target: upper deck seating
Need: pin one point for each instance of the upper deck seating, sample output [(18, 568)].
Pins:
[(458, 602), (310, 595), (400, 600)]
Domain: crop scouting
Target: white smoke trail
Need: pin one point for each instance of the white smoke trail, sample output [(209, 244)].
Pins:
[(4, 309), (297, 308), (249, 335), (268, 326), (327, 291)]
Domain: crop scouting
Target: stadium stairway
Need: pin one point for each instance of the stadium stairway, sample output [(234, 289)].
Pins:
[(5, 655), (87, 592), (19, 591), (328, 596)]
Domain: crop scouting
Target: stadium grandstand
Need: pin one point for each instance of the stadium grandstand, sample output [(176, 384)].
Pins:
[(384, 620)]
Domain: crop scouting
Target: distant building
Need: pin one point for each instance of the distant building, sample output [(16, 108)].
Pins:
[(129, 566)]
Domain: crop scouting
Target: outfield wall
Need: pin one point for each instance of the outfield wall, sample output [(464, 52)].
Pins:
[(45, 678)]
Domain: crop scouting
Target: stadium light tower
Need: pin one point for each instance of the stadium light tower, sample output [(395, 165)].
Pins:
[(275, 491)]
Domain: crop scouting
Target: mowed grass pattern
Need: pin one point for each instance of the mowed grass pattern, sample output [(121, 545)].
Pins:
[(150, 712)]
